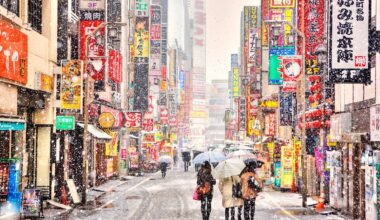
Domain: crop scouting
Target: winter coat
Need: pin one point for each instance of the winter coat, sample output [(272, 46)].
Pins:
[(164, 167), (225, 187), (204, 175), (248, 192)]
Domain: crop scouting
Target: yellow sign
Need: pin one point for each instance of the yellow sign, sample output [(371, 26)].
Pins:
[(157, 136), (329, 142), (46, 83), (163, 85), (270, 147), (173, 137), (106, 120), (287, 167), (269, 104), (235, 82), (111, 147), (141, 44), (198, 114), (71, 85)]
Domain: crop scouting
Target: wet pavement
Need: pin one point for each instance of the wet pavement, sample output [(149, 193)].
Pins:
[(151, 197)]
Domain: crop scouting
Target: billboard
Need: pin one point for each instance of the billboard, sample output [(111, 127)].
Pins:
[(71, 85), (350, 23), (14, 54), (287, 158), (291, 69)]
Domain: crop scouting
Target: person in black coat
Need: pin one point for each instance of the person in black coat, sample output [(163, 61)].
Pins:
[(206, 182), (164, 168)]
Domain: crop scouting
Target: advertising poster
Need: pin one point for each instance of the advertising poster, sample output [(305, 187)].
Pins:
[(286, 166), (141, 44), (291, 68), (115, 62), (111, 147), (134, 159), (14, 54), (265, 16), (350, 27), (95, 51), (71, 85)]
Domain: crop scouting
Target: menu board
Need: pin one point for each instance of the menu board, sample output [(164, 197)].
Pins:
[(31, 202)]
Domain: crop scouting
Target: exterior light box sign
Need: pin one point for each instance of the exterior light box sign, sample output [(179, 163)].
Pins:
[(349, 41), (65, 122), (275, 63)]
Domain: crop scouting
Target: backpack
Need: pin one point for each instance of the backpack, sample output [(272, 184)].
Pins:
[(236, 190)]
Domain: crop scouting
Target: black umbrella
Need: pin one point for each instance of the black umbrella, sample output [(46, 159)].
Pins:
[(254, 163)]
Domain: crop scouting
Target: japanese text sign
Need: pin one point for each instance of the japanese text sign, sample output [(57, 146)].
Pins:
[(349, 41), (133, 119), (91, 4)]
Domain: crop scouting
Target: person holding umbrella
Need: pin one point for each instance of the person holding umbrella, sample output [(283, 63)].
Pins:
[(163, 168), (251, 185), (205, 183), (229, 185)]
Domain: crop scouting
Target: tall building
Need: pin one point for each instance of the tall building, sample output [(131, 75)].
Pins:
[(216, 106)]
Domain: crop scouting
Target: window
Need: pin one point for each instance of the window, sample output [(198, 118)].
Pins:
[(35, 14), (11, 5)]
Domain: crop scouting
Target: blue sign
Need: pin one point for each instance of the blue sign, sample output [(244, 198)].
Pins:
[(181, 79), (287, 50), (286, 109), (14, 126)]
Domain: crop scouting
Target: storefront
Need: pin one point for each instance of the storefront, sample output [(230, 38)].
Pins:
[(12, 131)]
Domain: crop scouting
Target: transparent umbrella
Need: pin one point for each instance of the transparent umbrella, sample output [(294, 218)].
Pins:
[(227, 168), (210, 156)]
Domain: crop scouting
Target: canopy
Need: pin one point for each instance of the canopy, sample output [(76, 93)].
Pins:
[(96, 132)]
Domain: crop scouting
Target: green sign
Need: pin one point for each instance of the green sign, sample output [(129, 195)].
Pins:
[(13, 126), (65, 123), (274, 73)]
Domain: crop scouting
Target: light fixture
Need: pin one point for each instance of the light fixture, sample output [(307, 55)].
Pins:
[(112, 32), (321, 52)]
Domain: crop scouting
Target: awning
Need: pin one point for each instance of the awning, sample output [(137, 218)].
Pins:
[(96, 132)]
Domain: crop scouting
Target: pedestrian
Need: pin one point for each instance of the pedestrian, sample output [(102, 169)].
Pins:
[(205, 183), (163, 167), (251, 185), (229, 202)]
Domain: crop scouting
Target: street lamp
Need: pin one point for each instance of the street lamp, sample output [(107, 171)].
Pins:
[(85, 104), (303, 102)]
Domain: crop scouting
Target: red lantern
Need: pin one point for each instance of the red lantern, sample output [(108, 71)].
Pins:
[(311, 98), (318, 96)]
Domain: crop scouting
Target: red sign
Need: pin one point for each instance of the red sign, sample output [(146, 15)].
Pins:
[(133, 119), (118, 115), (155, 31), (95, 51), (163, 72), (253, 105), (291, 68), (312, 24), (282, 3), (272, 124), (164, 115), (13, 53), (173, 122), (147, 124), (115, 61)]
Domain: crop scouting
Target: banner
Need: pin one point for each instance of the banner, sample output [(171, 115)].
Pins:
[(71, 85), (111, 147), (286, 167), (349, 29)]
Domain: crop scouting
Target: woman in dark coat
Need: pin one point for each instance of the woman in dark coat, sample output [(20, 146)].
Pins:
[(206, 182)]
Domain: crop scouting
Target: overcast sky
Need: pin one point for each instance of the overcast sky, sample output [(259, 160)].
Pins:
[(223, 34)]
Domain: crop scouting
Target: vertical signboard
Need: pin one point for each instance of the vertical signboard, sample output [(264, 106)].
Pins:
[(235, 81), (242, 114), (71, 86), (349, 41), (265, 16), (286, 109), (286, 167), (291, 67), (141, 59), (155, 41)]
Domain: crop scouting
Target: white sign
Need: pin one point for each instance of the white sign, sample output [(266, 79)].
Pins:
[(252, 46), (91, 5), (375, 123), (349, 41)]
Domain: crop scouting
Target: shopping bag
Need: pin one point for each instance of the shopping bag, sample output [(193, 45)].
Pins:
[(196, 194)]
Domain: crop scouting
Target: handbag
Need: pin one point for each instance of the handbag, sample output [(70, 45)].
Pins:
[(236, 190), (196, 194)]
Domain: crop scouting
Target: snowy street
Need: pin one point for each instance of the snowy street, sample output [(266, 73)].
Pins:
[(151, 197)]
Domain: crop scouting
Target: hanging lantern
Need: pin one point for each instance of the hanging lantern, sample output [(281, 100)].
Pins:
[(311, 98), (318, 96)]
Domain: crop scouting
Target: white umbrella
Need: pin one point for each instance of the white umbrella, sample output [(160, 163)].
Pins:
[(210, 156), (241, 154), (165, 159), (227, 168)]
